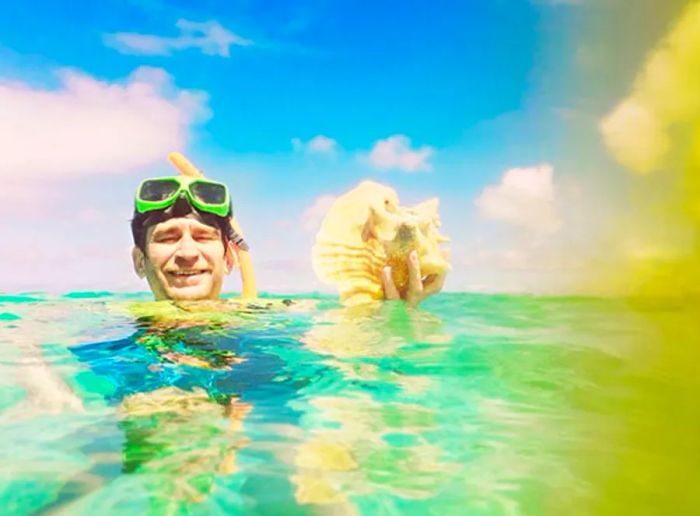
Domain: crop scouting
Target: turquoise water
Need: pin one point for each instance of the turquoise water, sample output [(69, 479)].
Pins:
[(472, 404)]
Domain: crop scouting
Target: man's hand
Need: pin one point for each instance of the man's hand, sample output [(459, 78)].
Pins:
[(418, 287)]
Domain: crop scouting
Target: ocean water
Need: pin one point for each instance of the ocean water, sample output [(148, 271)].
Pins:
[(471, 404)]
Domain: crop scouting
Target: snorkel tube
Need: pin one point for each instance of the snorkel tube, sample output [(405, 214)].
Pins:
[(236, 245)]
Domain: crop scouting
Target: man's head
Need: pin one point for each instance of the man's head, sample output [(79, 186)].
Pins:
[(183, 252)]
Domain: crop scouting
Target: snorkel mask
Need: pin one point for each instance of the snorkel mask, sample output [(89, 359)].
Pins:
[(162, 192), (206, 196)]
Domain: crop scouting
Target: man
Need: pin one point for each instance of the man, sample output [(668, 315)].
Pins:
[(184, 253), (186, 240)]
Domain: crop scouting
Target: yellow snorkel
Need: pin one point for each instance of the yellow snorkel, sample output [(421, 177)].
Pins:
[(248, 289)]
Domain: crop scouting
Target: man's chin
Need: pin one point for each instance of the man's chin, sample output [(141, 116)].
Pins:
[(191, 293), (190, 290), (184, 289)]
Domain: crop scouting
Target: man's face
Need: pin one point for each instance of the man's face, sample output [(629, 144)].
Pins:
[(184, 260)]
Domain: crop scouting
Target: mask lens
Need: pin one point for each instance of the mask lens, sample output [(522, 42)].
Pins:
[(155, 190), (209, 193)]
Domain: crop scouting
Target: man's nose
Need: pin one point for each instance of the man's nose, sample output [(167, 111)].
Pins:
[(187, 248)]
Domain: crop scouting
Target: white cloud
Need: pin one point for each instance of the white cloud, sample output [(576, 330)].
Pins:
[(319, 144), (313, 215), (395, 152), (209, 37), (322, 144), (524, 197), (88, 126)]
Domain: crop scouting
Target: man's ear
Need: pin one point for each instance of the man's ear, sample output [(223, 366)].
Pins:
[(139, 260)]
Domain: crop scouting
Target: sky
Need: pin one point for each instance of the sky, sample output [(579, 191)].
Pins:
[(493, 106)]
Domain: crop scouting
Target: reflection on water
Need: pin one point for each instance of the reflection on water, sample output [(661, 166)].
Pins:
[(472, 404), (180, 441), (362, 439)]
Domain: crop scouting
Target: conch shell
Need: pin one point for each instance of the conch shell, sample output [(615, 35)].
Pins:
[(367, 229)]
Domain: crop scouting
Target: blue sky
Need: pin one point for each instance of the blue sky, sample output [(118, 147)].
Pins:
[(358, 71), (286, 102)]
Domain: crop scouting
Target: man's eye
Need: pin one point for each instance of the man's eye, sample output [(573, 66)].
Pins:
[(205, 237), (165, 239)]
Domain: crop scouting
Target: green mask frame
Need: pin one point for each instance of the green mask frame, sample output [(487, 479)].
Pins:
[(162, 192)]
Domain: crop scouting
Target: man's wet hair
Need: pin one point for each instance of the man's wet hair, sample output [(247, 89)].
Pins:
[(182, 208)]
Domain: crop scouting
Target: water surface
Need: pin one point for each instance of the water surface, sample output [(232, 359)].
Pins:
[(472, 404)]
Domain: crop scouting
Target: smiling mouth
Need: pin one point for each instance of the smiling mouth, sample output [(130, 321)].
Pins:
[(186, 278)]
